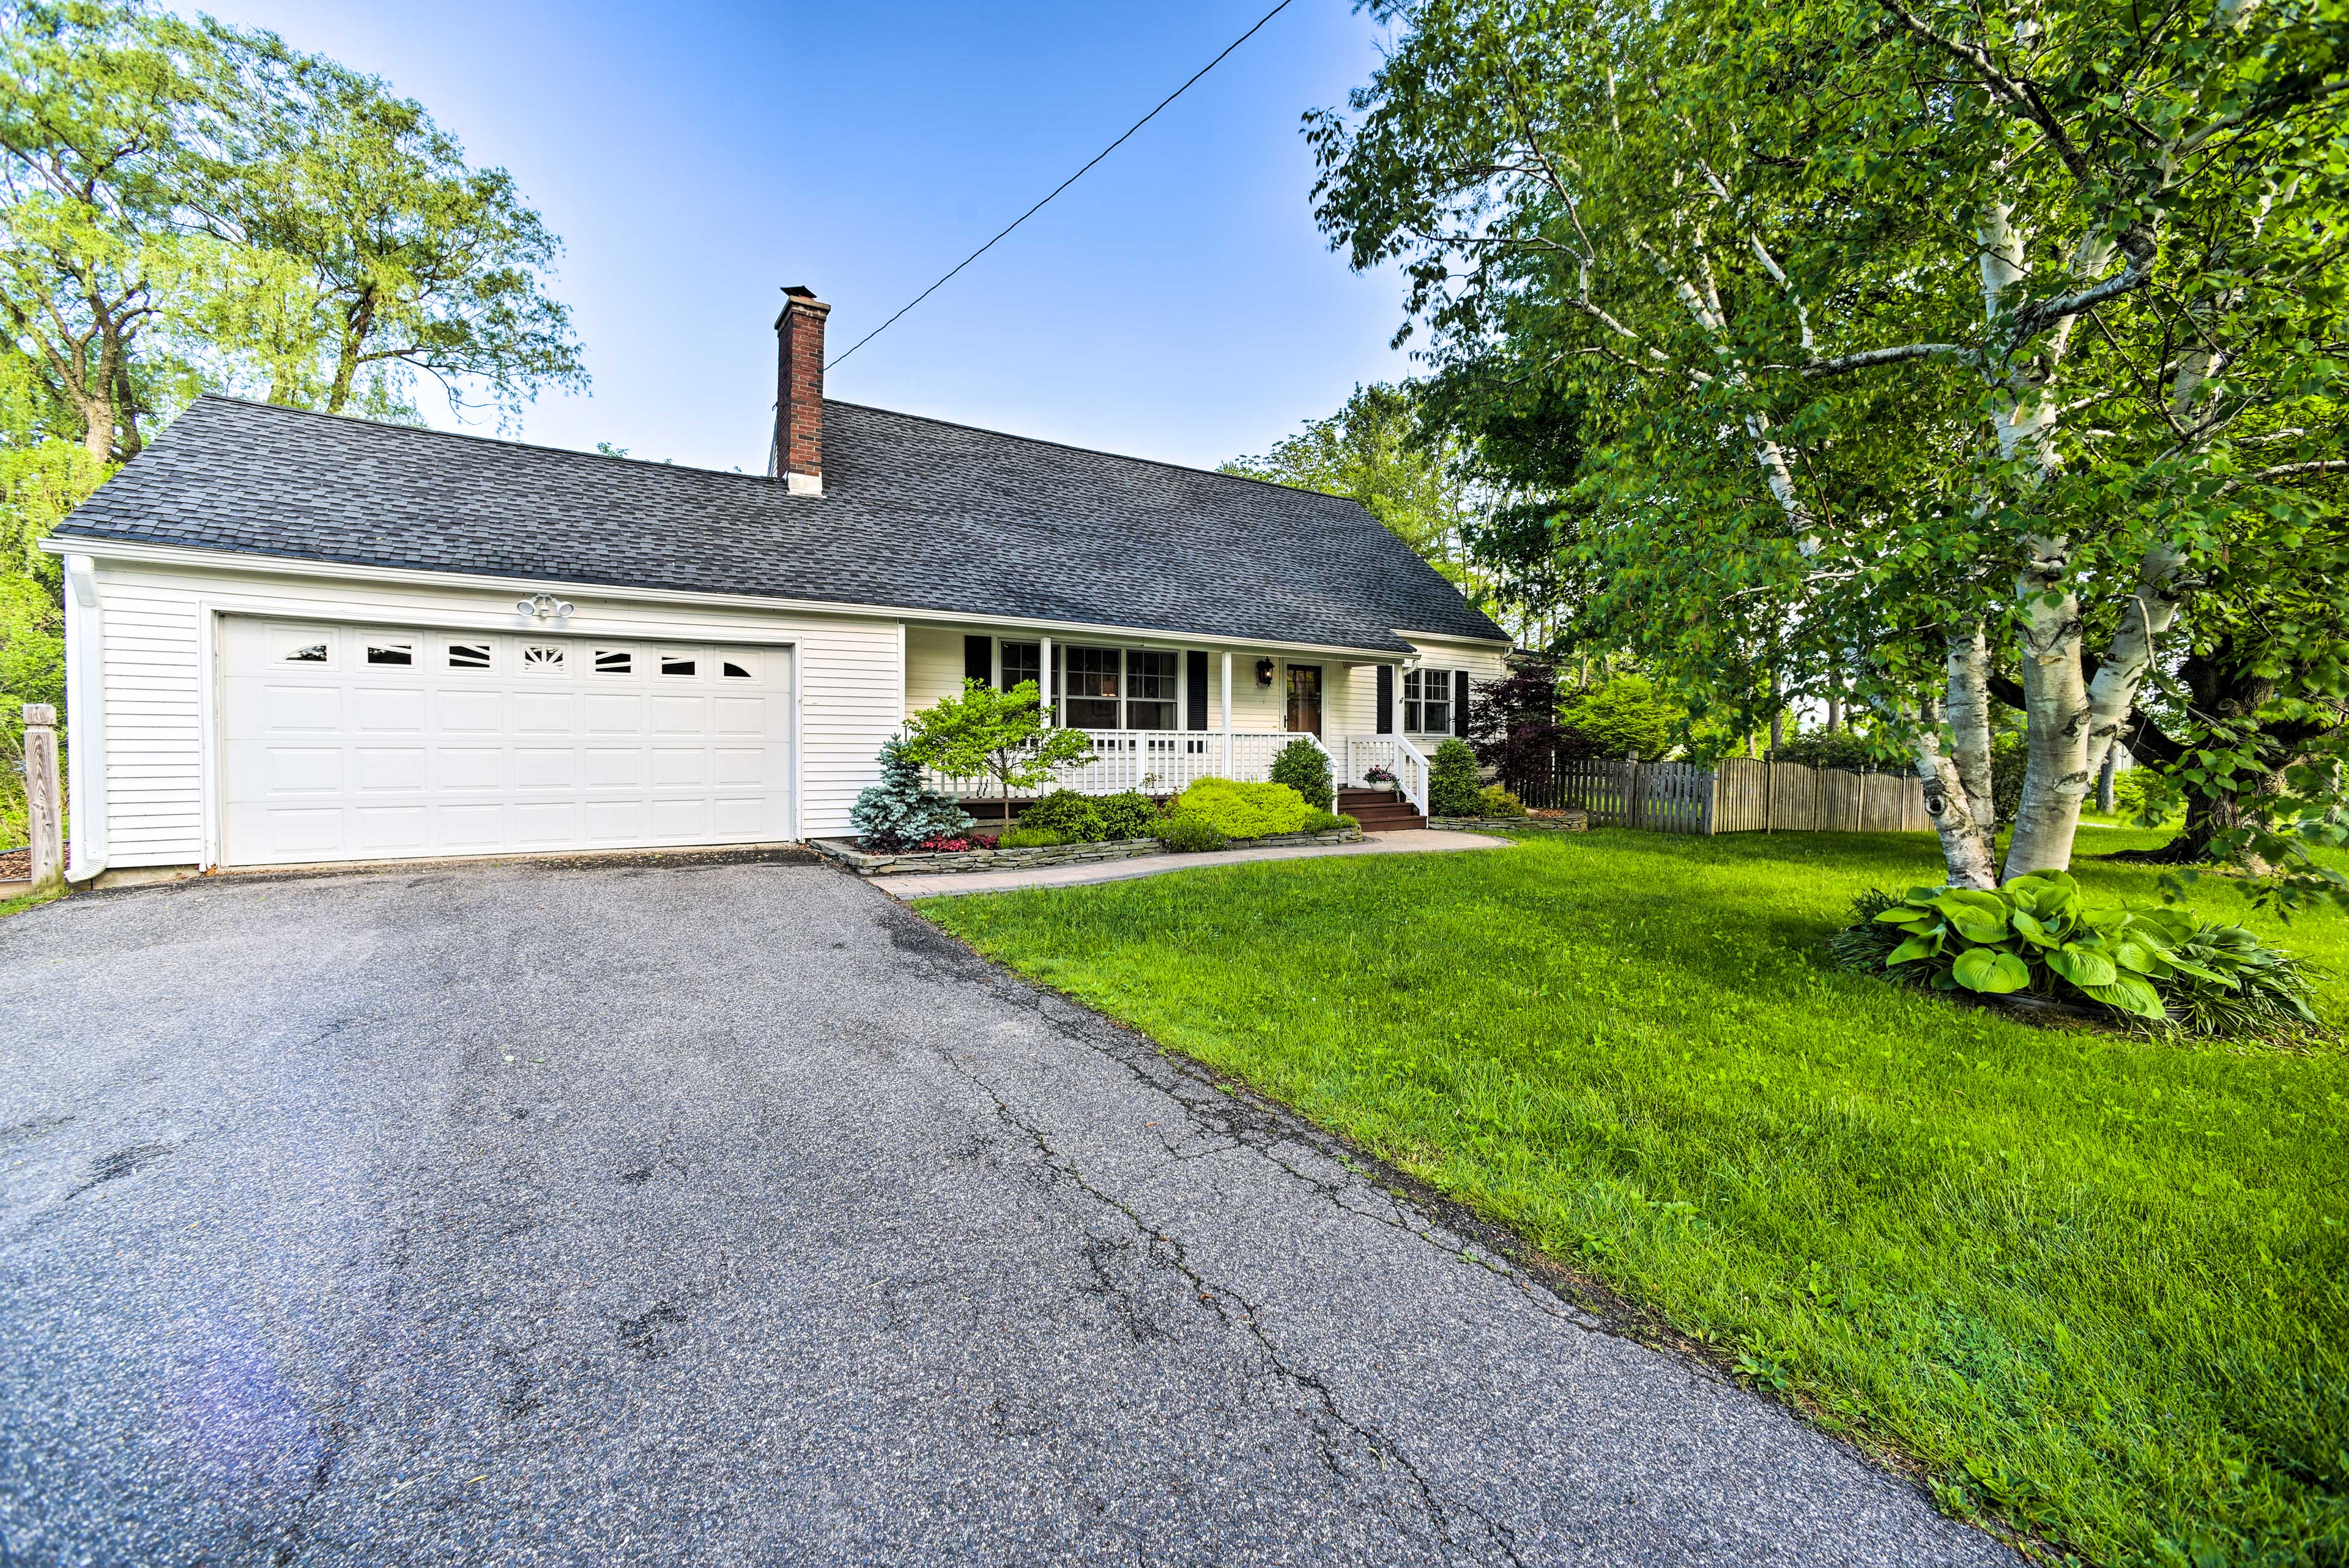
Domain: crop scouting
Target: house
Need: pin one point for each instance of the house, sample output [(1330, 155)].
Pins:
[(298, 639)]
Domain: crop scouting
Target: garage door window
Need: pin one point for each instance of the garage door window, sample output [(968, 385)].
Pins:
[(615, 662), (391, 653), (675, 664), (469, 656), (546, 658), (737, 670)]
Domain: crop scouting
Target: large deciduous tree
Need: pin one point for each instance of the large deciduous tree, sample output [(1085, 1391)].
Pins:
[(1910, 339), (364, 249)]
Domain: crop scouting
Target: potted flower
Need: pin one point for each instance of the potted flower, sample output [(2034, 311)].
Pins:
[(1379, 778)]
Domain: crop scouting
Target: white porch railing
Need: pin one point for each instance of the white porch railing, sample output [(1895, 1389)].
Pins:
[(1394, 755), (1154, 762)]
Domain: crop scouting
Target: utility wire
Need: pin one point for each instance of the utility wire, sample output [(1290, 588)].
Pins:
[(1064, 184)]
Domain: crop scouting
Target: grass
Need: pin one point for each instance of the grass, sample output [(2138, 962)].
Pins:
[(24, 901), (2095, 1288)]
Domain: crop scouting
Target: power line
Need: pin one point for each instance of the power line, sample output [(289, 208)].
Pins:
[(1064, 184)]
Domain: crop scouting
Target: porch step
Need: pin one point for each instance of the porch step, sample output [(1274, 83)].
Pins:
[(1380, 810)]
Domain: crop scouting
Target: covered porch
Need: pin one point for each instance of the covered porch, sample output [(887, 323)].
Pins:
[(1160, 714)]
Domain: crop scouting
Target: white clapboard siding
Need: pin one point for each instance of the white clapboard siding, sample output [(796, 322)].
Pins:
[(156, 702)]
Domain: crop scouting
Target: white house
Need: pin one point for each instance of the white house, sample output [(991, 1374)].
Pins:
[(298, 639)]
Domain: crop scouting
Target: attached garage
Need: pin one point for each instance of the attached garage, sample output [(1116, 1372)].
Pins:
[(372, 742)]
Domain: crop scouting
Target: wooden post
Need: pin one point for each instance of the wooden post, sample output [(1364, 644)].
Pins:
[(44, 814), (1631, 792)]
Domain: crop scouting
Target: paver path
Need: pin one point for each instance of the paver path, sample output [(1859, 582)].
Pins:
[(729, 1213)]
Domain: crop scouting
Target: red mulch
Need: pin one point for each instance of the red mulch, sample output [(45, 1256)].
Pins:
[(15, 865)]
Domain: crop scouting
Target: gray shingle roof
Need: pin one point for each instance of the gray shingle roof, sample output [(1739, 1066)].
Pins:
[(915, 513)]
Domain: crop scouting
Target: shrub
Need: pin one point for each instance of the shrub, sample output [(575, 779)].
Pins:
[(1189, 833), (1242, 810), (1305, 768), (1832, 749), (1026, 837), (1623, 716), (1132, 815), (2159, 967), (1453, 782), (1319, 821), (1077, 818), (1346, 819), (898, 811), (2142, 794), (1495, 801), (955, 844)]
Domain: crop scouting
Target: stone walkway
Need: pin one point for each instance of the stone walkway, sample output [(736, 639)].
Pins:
[(1414, 841)]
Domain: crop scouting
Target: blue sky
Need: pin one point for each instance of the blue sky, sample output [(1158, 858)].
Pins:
[(1176, 303)]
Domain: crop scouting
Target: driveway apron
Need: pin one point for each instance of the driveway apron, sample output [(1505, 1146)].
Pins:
[(731, 1213)]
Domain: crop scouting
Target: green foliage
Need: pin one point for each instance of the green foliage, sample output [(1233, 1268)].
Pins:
[(1348, 819), (1191, 832), (354, 248), (1305, 768), (2087, 1284), (1453, 780), (1076, 817), (1494, 800), (1625, 717), (898, 810), (1319, 821), (1825, 370), (1242, 810), (1129, 814), (1026, 837), (1085, 818), (2143, 795), (2162, 967), (997, 736), (1838, 749)]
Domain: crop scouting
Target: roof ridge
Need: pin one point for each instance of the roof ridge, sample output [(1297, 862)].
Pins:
[(1101, 452), (738, 473), (670, 464)]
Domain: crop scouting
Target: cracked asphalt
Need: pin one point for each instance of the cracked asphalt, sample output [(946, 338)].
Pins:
[(730, 1213)]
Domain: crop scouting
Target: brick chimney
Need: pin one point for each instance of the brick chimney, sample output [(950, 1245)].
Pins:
[(797, 456)]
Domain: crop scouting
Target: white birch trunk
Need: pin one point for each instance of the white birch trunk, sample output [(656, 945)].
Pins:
[(2055, 711), (1958, 785)]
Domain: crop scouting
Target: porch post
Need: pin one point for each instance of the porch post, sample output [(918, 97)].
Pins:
[(1228, 712), (1044, 678)]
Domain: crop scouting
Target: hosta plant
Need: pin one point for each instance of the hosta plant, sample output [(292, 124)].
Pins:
[(2038, 934)]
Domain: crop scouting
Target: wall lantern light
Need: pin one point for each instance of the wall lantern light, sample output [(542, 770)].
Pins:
[(1263, 672)]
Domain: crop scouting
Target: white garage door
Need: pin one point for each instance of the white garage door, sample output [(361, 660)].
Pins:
[(364, 744)]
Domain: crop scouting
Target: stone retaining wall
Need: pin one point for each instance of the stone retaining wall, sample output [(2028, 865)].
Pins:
[(873, 863), (1567, 822)]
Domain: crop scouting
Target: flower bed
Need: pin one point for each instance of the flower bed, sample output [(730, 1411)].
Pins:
[(852, 854)]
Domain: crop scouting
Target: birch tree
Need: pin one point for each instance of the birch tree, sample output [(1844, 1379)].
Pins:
[(1891, 255)]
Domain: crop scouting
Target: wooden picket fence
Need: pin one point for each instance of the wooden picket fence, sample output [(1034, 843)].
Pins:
[(1737, 794)]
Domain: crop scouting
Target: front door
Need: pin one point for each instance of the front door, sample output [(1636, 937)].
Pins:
[(1305, 699)]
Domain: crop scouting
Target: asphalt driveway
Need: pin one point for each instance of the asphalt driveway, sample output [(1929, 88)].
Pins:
[(731, 1214)]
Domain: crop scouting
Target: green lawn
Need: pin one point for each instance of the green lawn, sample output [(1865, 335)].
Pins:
[(2094, 1286)]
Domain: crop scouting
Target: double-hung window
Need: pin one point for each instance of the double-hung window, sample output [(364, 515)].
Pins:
[(1149, 690), (1114, 688), (1427, 702), (1023, 662), (1092, 688)]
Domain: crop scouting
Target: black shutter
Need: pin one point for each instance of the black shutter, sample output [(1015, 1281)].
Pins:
[(978, 660), (1196, 704), (1386, 699), (1459, 703)]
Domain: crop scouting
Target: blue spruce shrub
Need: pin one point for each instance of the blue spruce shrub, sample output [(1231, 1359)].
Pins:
[(898, 811)]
